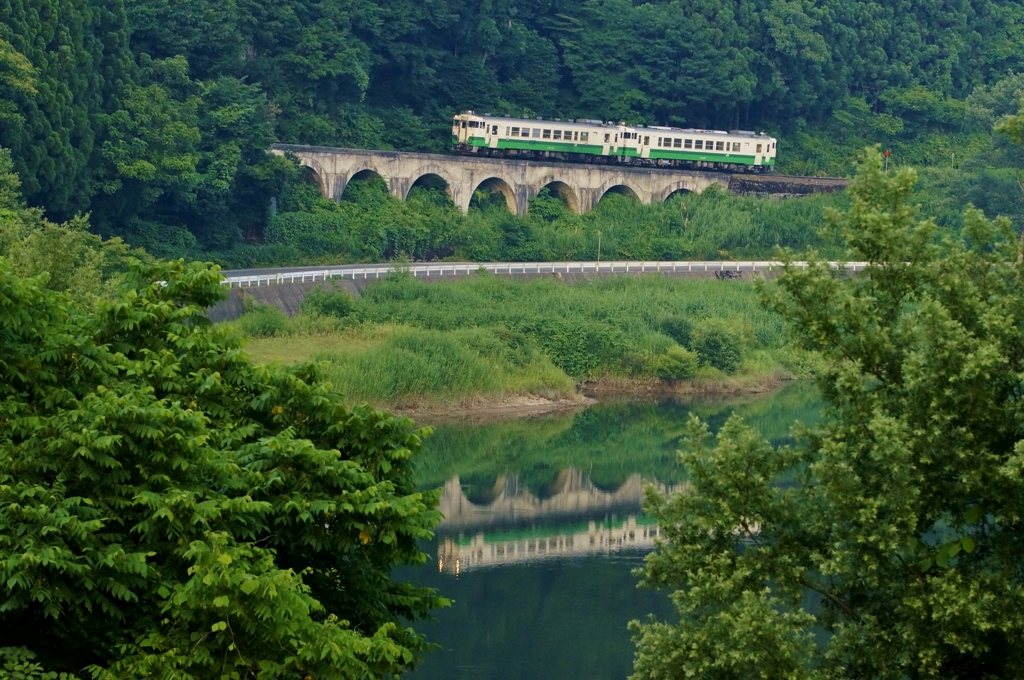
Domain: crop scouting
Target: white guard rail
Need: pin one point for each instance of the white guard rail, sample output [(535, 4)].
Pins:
[(378, 271)]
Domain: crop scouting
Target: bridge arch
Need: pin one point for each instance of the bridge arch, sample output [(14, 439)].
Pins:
[(431, 175), (617, 188), (431, 169), (568, 194), (496, 185), (359, 175), (684, 186), (316, 175)]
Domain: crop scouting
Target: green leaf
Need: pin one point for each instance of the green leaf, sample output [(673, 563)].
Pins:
[(968, 544), (973, 514), (221, 601)]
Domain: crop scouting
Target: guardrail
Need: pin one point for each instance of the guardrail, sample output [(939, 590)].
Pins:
[(378, 271)]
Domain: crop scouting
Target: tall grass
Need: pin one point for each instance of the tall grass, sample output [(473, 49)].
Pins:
[(487, 335), (609, 315), (414, 363)]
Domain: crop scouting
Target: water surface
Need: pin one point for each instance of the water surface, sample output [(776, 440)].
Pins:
[(543, 528)]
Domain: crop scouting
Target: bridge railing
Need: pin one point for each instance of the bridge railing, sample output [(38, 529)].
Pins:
[(379, 271)]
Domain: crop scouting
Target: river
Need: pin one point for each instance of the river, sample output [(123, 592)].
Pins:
[(543, 528)]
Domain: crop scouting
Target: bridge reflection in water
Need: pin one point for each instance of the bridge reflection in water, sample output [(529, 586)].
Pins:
[(517, 526)]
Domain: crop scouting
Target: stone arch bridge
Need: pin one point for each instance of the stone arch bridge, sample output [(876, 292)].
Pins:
[(580, 186)]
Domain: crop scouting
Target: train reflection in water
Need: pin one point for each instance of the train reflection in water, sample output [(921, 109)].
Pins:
[(455, 556), (516, 526)]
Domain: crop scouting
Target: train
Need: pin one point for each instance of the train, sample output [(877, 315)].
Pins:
[(594, 141)]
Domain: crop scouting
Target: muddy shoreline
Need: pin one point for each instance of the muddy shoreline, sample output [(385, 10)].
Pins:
[(484, 408)]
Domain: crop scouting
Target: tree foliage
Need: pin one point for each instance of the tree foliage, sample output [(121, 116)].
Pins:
[(156, 115), (168, 508), (887, 544)]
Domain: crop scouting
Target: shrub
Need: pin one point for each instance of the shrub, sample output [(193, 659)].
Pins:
[(576, 346), (262, 321), (337, 302), (678, 363), (717, 344), (677, 327)]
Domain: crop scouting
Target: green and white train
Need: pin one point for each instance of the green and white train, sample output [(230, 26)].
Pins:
[(591, 141)]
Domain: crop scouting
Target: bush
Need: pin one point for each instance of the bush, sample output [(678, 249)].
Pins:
[(717, 344), (320, 301), (262, 321), (677, 327), (578, 347), (678, 363)]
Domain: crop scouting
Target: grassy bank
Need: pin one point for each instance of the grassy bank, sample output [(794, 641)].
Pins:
[(406, 343)]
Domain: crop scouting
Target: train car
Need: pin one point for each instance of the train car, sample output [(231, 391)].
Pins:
[(592, 141)]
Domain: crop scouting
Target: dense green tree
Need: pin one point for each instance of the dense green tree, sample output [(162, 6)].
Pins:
[(79, 51), (156, 114), (167, 508), (66, 256), (896, 553)]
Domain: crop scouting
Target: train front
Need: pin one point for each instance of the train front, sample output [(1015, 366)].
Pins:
[(468, 130)]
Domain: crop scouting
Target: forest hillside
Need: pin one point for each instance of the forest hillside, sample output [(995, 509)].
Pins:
[(155, 115)]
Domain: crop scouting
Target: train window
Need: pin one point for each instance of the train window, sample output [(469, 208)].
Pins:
[(515, 132), (647, 141), (719, 146), (607, 137), (584, 136), (735, 146), (526, 132), (688, 144), (463, 124), (677, 142), (558, 134), (536, 133), (576, 136), (758, 148), (494, 129), (547, 134), (698, 144), (506, 131)]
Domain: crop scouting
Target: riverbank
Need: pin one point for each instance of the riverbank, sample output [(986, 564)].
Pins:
[(536, 399), (488, 345), (487, 408)]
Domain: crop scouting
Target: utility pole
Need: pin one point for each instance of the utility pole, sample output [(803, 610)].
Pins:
[(598, 251), (886, 161)]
